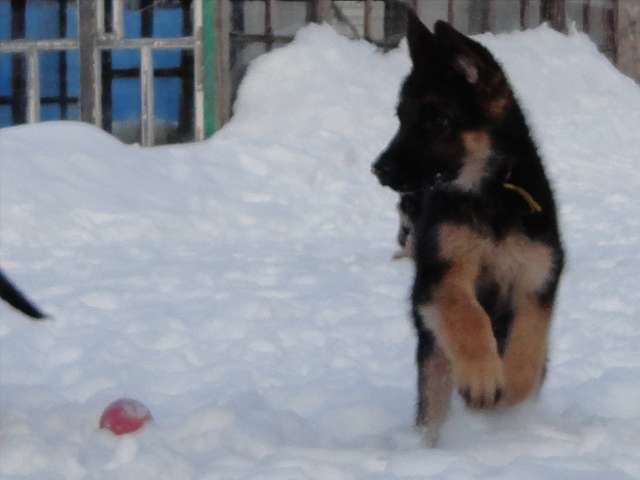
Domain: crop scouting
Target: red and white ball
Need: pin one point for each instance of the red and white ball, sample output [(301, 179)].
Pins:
[(125, 415)]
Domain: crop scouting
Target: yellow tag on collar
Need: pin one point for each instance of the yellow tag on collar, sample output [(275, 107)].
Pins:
[(533, 205)]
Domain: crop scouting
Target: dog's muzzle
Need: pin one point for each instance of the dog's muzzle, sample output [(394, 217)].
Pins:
[(382, 172)]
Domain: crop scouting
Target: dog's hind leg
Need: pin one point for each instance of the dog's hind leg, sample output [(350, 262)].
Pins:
[(434, 387)]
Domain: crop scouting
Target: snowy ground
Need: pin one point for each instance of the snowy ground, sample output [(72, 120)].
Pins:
[(243, 289)]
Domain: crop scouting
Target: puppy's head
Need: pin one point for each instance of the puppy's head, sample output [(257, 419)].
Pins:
[(454, 96)]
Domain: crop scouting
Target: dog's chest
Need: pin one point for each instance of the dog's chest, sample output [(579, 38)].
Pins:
[(517, 262)]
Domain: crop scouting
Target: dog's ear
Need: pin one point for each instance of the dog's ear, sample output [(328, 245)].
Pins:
[(476, 64), (419, 38)]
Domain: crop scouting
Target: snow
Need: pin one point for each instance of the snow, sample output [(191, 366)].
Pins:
[(242, 288)]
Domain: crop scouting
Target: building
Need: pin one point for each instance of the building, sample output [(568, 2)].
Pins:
[(125, 65), (165, 71)]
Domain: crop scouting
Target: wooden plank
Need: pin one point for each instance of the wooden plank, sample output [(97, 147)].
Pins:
[(223, 64), (198, 72), (609, 20), (524, 14), (586, 16), (100, 16), (90, 104), (368, 9), (23, 46), (208, 62), (323, 10), (256, 37), (140, 43), (487, 20), (628, 38), (268, 23), (33, 86), (117, 16), (554, 12), (451, 13), (147, 97)]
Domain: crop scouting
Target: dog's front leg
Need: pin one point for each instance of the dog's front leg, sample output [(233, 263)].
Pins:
[(463, 329), (459, 323)]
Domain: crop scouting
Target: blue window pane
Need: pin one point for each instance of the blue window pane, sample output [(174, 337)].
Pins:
[(132, 23), (51, 83), (167, 99), (43, 22), (6, 119), (73, 112), (7, 87), (167, 22), (126, 107), (5, 20), (49, 74), (126, 98), (50, 112), (72, 20), (73, 72), (126, 59), (166, 58), (5, 74), (167, 90)]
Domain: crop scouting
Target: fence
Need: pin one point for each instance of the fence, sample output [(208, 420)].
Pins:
[(220, 37), (101, 32), (248, 28)]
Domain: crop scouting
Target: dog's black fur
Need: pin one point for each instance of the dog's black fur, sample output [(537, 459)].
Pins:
[(462, 141), (10, 294), (409, 208)]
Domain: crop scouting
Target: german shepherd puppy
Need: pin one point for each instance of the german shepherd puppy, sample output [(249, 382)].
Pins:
[(16, 299), (488, 252)]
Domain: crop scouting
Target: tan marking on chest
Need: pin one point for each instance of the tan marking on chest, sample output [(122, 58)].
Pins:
[(516, 261), (520, 262), (477, 145)]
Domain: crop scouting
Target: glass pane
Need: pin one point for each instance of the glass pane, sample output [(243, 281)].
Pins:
[(5, 74), (46, 19), (50, 112), (59, 85), (6, 119), (158, 18), (13, 88), (125, 94), (173, 90), (5, 19)]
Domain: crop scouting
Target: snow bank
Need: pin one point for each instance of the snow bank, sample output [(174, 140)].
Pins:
[(242, 287)]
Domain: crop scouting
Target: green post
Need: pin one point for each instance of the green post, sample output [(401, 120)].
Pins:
[(208, 57)]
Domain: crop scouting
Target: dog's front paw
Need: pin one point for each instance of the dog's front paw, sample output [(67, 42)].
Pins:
[(480, 381)]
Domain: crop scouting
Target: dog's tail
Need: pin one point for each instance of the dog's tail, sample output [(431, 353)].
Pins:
[(16, 299)]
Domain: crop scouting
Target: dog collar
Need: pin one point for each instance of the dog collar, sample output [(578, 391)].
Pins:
[(533, 205)]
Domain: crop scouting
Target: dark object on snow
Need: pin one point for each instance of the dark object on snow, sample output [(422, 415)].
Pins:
[(16, 299)]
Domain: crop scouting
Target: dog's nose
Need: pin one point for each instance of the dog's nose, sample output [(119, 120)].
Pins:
[(379, 169)]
